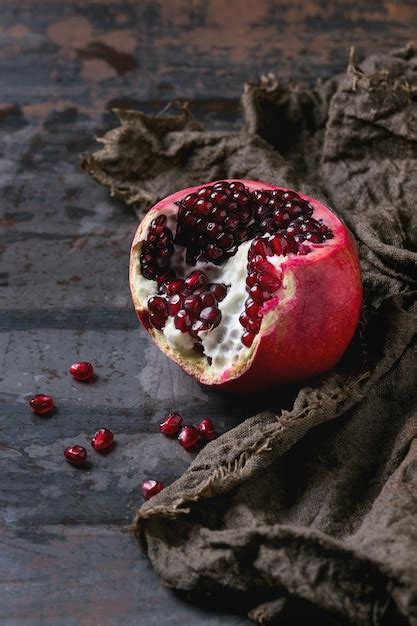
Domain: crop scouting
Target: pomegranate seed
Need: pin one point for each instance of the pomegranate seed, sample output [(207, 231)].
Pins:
[(190, 219), (218, 214), (267, 226), (244, 319), (208, 299), (158, 305), (166, 276), (240, 197), (253, 309), (175, 303), (213, 252), (247, 339), (222, 185), (275, 241), (251, 279), (253, 326), (190, 200), (213, 229), (225, 241), (259, 294), (156, 320), (158, 224), (268, 281), (188, 437), (151, 487), (77, 455), (219, 197), (182, 321), (315, 237), (206, 429), (82, 370), (236, 185), (171, 424), (205, 192), (193, 304), (200, 326), (219, 291), (103, 440), (203, 207), (211, 314), (42, 404), (262, 265), (231, 223), (195, 279)]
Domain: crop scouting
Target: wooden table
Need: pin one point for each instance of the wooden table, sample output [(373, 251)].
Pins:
[(66, 555)]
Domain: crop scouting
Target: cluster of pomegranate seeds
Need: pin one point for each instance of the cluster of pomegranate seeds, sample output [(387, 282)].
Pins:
[(77, 455), (103, 440), (192, 302), (42, 404), (188, 436), (82, 371), (211, 224), (151, 488), (157, 249)]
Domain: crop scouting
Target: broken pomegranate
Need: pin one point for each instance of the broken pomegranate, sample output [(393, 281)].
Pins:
[(206, 429), (171, 424), (246, 285), (151, 488), (77, 455), (42, 404), (103, 440), (82, 371)]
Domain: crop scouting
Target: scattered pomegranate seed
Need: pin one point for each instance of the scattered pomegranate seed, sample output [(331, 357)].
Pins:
[(103, 440), (77, 455), (82, 371), (151, 487), (188, 437), (206, 429), (171, 424), (42, 404)]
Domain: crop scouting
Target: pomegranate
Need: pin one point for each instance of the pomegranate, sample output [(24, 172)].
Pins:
[(151, 488), (82, 371), (171, 424), (103, 440), (77, 455), (42, 404), (245, 284)]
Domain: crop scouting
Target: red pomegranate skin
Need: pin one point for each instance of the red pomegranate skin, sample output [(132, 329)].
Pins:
[(304, 336)]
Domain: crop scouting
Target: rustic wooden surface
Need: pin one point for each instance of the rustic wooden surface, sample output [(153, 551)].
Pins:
[(66, 556)]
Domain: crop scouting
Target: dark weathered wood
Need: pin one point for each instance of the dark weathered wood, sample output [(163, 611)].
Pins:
[(66, 557)]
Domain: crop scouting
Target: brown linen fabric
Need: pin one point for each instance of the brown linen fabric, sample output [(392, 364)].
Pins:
[(309, 511)]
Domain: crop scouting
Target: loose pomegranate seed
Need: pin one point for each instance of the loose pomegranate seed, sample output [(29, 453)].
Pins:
[(206, 429), (247, 339), (151, 487), (77, 455), (200, 326), (171, 424), (82, 371), (188, 437), (42, 404), (103, 440)]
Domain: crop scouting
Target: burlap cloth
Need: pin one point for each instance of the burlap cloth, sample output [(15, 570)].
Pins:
[(310, 511)]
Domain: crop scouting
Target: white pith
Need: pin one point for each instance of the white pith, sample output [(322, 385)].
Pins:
[(223, 347)]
